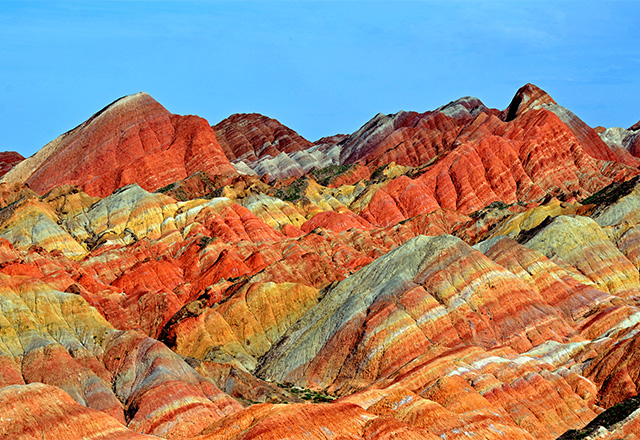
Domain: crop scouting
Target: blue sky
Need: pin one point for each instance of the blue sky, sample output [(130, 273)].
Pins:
[(319, 67)]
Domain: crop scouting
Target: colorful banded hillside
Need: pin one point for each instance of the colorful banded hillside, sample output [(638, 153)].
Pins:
[(465, 272)]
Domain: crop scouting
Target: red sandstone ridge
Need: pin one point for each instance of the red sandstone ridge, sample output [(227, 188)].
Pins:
[(9, 159), (132, 140), (414, 139), (407, 138), (253, 136), (528, 97)]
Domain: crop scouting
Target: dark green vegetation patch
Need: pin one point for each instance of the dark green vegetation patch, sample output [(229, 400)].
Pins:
[(610, 417), (611, 193), (307, 394), (293, 192), (324, 175)]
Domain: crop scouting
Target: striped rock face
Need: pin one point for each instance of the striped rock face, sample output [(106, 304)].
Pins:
[(9, 159), (253, 136), (134, 139), (56, 338), (460, 273)]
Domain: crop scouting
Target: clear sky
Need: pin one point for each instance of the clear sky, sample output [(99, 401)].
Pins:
[(319, 67)]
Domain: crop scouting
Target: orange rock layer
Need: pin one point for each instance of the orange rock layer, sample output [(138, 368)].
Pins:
[(134, 139)]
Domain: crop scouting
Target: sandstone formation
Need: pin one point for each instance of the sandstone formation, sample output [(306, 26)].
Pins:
[(134, 139), (253, 136), (9, 159), (460, 273), (35, 411), (620, 138), (258, 145)]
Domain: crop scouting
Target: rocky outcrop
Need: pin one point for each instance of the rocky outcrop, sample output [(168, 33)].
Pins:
[(9, 159), (258, 145), (339, 420), (56, 338), (620, 138), (410, 298), (407, 138), (528, 97), (576, 241)]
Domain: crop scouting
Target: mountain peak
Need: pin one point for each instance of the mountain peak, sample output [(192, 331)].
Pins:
[(526, 98), (8, 159), (250, 136), (127, 103), (463, 107), (132, 139)]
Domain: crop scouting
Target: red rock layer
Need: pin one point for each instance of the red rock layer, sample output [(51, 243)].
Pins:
[(134, 139), (8, 159), (557, 286), (338, 420), (616, 368), (252, 136), (538, 148), (330, 140), (36, 411), (530, 97), (634, 144), (336, 221), (632, 140), (526, 98), (523, 160), (407, 138)]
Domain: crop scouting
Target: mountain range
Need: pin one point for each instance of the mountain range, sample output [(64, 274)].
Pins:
[(465, 272)]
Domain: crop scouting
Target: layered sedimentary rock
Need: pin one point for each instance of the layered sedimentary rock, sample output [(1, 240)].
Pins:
[(464, 272), (339, 420), (407, 138), (241, 329), (522, 165), (434, 307), (580, 243), (9, 159), (298, 163), (531, 97), (35, 411), (58, 339), (252, 136), (258, 145), (134, 139), (617, 137), (31, 222)]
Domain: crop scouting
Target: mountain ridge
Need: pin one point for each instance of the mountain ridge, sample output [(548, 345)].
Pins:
[(460, 272)]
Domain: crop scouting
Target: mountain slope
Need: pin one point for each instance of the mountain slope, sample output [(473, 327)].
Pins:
[(9, 159), (132, 140), (460, 273)]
